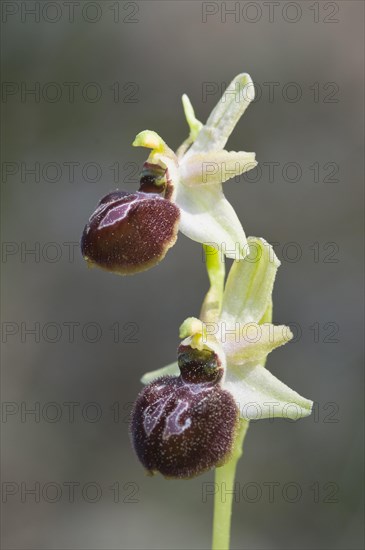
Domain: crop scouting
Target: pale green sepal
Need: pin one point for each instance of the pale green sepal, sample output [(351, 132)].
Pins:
[(216, 167), (267, 316), (171, 369), (253, 342), (224, 117), (249, 284), (207, 217), (259, 394)]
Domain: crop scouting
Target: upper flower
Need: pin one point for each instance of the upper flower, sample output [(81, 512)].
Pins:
[(201, 165), (131, 232)]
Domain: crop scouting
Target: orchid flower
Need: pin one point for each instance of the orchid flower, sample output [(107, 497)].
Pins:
[(131, 232), (235, 324)]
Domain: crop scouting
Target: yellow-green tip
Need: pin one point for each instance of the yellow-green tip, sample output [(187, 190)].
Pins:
[(151, 140)]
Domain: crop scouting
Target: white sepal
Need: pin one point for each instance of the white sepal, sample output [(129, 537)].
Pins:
[(259, 394), (224, 117), (215, 167), (207, 217), (251, 342)]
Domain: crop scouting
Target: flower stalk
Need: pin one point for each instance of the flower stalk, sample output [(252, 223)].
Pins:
[(226, 474), (223, 498)]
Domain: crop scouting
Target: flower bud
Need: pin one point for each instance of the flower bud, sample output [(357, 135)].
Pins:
[(184, 425), (130, 232)]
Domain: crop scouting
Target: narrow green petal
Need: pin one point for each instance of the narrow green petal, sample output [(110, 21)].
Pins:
[(215, 167), (194, 124), (171, 369), (249, 284), (259, 394), (225, 115), (253, 342), (207, 217)]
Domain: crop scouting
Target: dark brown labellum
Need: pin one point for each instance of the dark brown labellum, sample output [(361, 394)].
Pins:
[(185, 425), (130, 232)]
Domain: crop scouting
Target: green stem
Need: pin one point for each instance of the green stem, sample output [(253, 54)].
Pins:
[(224, 479), (212, 304), (224, 475)]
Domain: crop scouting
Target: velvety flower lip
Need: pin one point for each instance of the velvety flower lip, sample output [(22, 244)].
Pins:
[(125, 222), (235, 324), (182, 426), (200, 166)]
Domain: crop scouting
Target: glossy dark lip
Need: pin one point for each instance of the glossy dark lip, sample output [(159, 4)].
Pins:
[(165, 430), (104, 207), (105, 245)]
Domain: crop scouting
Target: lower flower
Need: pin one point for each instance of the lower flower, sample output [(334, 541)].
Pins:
[(185, 421)]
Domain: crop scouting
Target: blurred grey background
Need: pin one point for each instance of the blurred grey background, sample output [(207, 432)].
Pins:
[(101, 72)]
